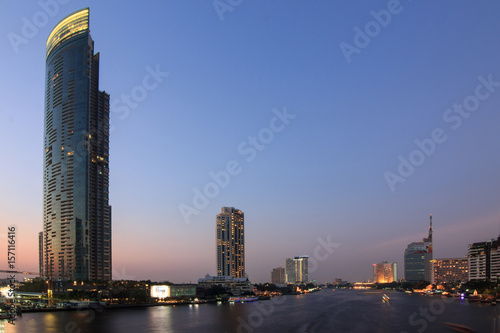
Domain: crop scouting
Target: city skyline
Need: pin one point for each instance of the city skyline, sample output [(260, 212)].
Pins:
[(264, 110)]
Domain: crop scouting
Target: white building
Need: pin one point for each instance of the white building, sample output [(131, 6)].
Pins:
[(484, 260)]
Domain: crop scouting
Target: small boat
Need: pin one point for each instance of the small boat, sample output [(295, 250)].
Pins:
[(408, 291), (459, 328), (242, 299), (385, 298)]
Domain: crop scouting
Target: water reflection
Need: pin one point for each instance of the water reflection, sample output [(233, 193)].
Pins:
[(325, 311)]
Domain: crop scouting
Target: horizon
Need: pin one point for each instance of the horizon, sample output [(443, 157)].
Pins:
[(335, 141)]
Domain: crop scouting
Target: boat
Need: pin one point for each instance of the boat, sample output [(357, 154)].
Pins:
[(385, 298), (242, 299), (408, 292), (459, 328)]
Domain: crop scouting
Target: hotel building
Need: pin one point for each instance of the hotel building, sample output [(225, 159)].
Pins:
[(385, 272), (451, 270), (296, 270)]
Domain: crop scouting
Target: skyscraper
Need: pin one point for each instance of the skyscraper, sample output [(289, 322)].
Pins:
[(297, 270), (417, 258), (76, 213), (230, 240)]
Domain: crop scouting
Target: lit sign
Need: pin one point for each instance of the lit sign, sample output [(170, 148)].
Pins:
[(160, 291)]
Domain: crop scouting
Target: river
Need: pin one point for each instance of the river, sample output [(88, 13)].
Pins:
[(324, 311)]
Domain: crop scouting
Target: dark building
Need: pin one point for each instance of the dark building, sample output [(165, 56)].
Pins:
[(278, 275), (417, 259), (76, 213)]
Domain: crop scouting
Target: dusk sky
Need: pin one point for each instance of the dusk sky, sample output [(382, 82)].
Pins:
[(343, 120)]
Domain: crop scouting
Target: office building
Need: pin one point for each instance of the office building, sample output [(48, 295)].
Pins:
[(76, 211), (385, 272), (296, 270), (230, 243), (417, 259), (451, 270), (484, 260), (278, 275)]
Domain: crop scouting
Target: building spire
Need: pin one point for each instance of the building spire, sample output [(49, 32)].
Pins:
[(430, 228)]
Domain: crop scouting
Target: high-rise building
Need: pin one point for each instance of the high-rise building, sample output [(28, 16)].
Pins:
[(230, 240), (484, 260), (417, 259), (296, 270), (451, 270), (76, 210), (385, 272), (278, 275)]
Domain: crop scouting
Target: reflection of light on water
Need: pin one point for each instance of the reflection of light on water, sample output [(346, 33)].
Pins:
[(49, 319)]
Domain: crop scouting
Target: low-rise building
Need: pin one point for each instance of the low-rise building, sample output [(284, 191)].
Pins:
[(236, 286)]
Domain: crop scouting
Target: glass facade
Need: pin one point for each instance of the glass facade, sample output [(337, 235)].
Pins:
[(76, 213), (418, 266)]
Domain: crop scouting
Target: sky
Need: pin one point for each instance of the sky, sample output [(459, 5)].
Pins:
[(337, 127)]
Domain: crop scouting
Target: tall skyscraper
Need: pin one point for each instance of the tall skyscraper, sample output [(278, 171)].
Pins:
[(417, 258), (230, 240), (76, 213), (297, 270), (385, 272)]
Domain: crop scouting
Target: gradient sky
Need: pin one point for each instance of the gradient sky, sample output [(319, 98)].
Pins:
[(322, 175)]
